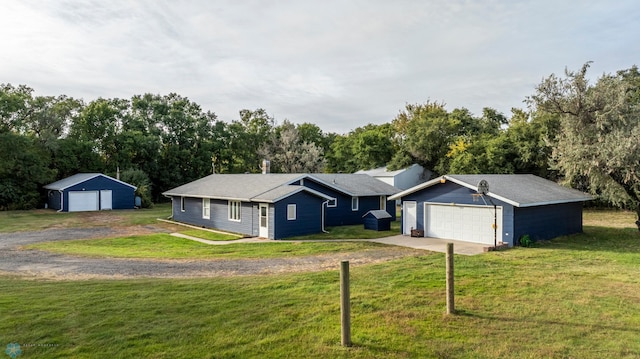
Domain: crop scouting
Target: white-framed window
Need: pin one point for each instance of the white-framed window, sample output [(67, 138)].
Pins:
[(181, 204), (291, 212), (354, 203), (206, 208), (333, 202), (234, 210), (383, 203)]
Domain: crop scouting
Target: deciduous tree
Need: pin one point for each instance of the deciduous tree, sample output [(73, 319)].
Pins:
[(598, 141)]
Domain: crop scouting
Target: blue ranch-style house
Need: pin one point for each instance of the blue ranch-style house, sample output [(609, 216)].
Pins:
[(451, 207), (277, 206)]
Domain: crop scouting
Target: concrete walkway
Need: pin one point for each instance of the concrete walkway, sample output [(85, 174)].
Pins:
[(428, 244)]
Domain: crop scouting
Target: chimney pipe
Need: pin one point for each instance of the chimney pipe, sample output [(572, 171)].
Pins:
[(266, 166)]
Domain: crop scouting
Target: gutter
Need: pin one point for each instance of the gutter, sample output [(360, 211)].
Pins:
[(61, 200), (322, 223)]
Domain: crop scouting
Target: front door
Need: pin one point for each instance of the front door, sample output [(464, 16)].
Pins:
[(409, 216), (263, 210), (106, 199)]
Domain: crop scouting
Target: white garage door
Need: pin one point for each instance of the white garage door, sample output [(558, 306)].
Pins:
[(464, 223), (83, 201)]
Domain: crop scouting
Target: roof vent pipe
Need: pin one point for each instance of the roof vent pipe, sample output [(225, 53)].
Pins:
[(266, 166)]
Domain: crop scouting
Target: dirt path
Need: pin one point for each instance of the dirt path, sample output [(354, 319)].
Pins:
[(40, 264)]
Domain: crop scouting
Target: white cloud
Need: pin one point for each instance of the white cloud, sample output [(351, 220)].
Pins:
[(340, 64)]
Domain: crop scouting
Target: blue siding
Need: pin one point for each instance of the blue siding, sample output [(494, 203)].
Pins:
[(546, 222), (450, 192), (123, 196), (54, 199), (218, 218), (382, 224), (342, 214), (308, 216), (540, 222)]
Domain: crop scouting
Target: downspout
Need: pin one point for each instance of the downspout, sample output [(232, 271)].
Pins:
[(61, 201), (322, 208)]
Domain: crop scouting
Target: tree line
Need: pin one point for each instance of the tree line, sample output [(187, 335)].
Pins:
[(584, 134)]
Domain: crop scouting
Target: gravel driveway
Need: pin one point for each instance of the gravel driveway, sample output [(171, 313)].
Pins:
[(40, 264)]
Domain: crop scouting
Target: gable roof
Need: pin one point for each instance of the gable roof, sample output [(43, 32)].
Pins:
[(384, 172), (79, 178), (378, 214), (355, 185), (242, 187), (519, 190), (272, 187)]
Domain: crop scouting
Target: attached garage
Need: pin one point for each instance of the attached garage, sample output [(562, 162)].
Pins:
[(90, 192), (451, 207)]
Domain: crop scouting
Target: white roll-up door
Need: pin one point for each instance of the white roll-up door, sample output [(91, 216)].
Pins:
[(83, 201), (463, 223)]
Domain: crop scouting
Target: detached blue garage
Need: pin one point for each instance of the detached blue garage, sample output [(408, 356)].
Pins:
[(491, 208), (90, 192)]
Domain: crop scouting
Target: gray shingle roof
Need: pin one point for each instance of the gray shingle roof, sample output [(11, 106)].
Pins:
[(242, 187), (76, 179), (378, 214), (520, 190), (356, 184), (274, 186)]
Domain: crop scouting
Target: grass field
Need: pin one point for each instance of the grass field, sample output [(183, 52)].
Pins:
[(572, 297), (165, 246), (19, 221)]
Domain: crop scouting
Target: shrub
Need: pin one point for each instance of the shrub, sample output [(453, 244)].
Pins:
[(526, 241)]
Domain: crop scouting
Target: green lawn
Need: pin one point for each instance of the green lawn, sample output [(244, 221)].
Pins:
[(572, 297), (35, 220), (165, 246), (352, 232), (209, 235)]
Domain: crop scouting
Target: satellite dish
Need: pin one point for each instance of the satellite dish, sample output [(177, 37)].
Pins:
[(483, 187)]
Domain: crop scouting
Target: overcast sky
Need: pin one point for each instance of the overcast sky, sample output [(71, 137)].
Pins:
[(339, 64)]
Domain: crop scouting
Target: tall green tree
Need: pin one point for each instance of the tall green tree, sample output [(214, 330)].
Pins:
[(246, 136), (598, 141), (13, 106), (24, 169), (365, 148), (289, 153), (100, 123)]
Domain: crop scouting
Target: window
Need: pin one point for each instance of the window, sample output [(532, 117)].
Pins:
[(181, 204), (291, 212), (354, 203), (206, 208), (234, 211), (333, 202), (383, 203)]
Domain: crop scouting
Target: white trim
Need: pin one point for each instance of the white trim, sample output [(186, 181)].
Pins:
[(206, 208), (383, 203), (90, 177), (234, 211), (292, 212), (335, 203), (263, 231), (357, 203)]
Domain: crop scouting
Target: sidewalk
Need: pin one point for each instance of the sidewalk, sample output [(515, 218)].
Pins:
[(428, 244)]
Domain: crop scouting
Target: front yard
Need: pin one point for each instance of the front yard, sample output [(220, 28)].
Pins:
[(572, 297)]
